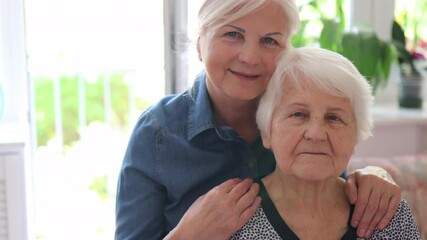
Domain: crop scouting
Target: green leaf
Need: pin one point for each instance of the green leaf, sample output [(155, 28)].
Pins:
[(386, 59), (339, 12), (397, 34), (399, 41), (298, 39), (362, 48), (330, 35)]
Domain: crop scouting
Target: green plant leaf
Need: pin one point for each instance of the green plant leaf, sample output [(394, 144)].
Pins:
[(330, 35), (386, 58), (399, 41), (299, 39), (362, 48), (397, 33), (339, 12)]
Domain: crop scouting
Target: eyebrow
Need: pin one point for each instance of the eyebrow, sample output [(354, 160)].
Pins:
[(333, 109), (274, 33), (341, 110), (243, 30), (237, 28), (297, 104)]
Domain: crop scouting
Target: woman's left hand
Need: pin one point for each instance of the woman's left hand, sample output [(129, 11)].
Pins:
[(376, 197)]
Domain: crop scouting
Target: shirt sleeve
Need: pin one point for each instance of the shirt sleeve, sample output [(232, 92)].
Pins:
[(140, 197)]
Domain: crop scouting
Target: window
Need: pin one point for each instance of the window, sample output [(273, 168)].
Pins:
[(95, 66)]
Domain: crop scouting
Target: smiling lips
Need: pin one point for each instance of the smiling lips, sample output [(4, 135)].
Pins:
[(245, 75)]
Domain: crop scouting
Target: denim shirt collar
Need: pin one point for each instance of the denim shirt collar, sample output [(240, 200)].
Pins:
[(200, 116)]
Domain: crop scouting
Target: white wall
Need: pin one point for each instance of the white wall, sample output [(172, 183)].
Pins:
[(378, 14), (13, 73), (15, 124)]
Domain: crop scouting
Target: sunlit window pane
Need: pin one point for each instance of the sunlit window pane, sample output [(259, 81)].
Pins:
[(95, 65)]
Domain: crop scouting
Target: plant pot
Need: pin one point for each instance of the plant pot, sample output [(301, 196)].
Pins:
[(410, 91)]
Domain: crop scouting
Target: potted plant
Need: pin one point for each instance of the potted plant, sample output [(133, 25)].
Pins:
[(372, 56), (410, 85)]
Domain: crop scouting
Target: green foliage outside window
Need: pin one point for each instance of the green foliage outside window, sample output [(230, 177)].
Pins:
[(412, 18), (94, 105), (371, 56)]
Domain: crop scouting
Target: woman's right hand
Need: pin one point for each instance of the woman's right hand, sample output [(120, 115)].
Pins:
[(219, 213)]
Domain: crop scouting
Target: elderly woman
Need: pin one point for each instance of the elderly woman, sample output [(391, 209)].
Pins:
[(315, 110)]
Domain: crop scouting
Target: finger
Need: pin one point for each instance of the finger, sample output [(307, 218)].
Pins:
[(381, 211), (240, 189), (248, 198), (370, 210), (250, 211), (351, 188), (392, 208), (360, 206), (228, 185)]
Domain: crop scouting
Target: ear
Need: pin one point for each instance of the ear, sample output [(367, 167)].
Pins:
[(265, 141), (199, 53)]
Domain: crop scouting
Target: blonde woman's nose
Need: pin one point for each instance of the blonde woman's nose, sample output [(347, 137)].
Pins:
[(250, 53)]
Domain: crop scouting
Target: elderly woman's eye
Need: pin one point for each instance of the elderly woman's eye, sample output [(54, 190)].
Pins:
[(269, 40), (334, 118), (298, 114)]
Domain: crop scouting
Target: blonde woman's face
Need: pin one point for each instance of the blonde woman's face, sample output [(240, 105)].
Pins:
[(240, 57), (313, 134)]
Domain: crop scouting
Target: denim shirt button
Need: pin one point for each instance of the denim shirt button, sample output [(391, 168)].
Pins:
[(251, 163)]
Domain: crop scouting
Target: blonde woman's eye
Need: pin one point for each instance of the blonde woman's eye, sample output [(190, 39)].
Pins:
[(233, 34)]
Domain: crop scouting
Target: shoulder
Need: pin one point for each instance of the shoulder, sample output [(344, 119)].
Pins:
[(402, 225), (403, 215), (170, 110), (175, 109)]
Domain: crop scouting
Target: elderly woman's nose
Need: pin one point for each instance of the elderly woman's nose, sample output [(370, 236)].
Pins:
[(250, 53), (315, 130)]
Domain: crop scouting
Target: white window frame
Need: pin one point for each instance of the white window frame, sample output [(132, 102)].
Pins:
[(15, 122), (378, 14), (176, 45)]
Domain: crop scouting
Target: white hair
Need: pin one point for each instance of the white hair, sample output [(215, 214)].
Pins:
[(214, 14), (322, 69)]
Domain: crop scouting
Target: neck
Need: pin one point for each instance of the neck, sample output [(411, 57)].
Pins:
[(239, 115), (312, 210), (311, 196)]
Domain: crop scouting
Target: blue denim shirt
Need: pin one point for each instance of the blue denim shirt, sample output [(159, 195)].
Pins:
[(177, 153)]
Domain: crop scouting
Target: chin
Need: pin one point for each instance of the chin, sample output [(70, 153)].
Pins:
[(245, 96)]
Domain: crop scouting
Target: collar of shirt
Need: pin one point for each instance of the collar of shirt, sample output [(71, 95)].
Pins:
[(201, 116)]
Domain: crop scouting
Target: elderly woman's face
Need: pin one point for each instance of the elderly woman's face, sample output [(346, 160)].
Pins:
[(240, 57), (313, 134)]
